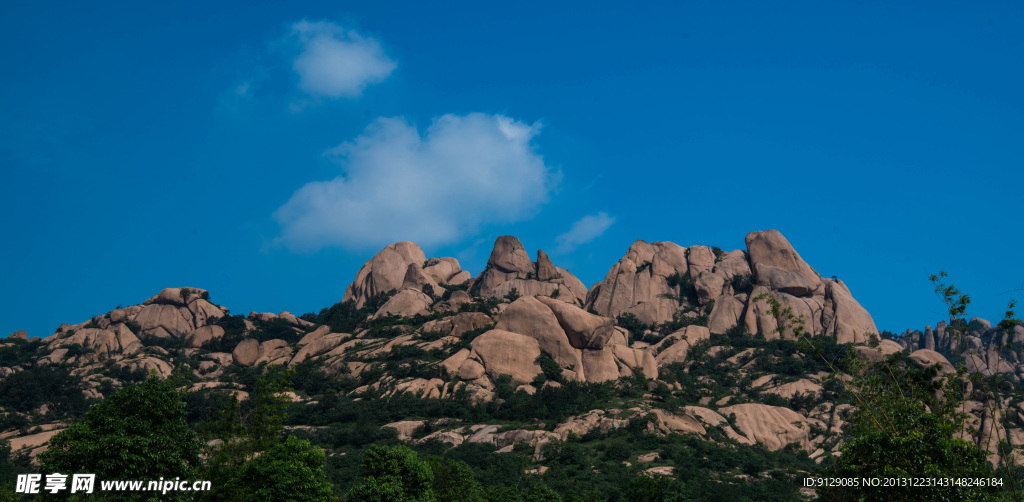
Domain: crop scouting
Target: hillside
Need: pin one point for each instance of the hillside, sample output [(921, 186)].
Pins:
[(674, 364)]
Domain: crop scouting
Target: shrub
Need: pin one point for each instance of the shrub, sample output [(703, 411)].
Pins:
[(741, 283), (684, 282), (632, 323)]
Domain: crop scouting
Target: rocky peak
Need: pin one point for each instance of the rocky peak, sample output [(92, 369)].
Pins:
[(509, 256), (509, 267), (984, 348), (545, 269), (778, 266), (384, 272), (402, 265), (655, 281)]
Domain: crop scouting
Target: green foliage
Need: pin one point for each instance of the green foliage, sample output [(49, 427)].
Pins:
[(278, 328), (138, 433), (654, 489), (643, 266), (904, 426), (680, 320), (512, 295), (741, 284), (632, 323), (265, 422), (292, 470), (549, 367), (451, 288), (310, 378), (249, 434), (344, 317), (234, 333), (687, 289), (16, 352), (484, 305), (393, 474), (30, 388), (453, 481)]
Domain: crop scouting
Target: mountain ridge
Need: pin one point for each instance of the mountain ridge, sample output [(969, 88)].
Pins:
[(417, 326)]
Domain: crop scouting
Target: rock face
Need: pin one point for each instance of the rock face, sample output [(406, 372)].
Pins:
[(246, 352), (597, 350), (407, 302), (384, 272), (530, 317), (509, 267), (174, 313), (638, 282), (503, 353), (656, 281), (772, 426)]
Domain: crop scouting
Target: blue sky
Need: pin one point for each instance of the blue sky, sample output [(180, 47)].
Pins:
[(264, 152)]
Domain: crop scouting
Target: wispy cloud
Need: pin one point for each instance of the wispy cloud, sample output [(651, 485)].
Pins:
[(335, 62), (585, 230), (434, 188)]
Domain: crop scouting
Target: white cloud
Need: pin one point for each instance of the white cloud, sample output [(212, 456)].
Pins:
[(585, 230), (435, 188), (335, 62)]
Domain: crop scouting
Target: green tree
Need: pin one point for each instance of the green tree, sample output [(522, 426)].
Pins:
[(393, 474), (904, 425), (289, 471), (140, 432), (654, 489), (539, 492), (251, 462), (453, 481)]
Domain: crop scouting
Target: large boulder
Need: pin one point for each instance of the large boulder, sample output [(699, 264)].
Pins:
[(773, 426), (163, 321), (772, 256), (172, 313), (384, 272), (926, 357), (599, 366), (319, 346), (546, 270), (246, 352), (506, 353), (445, 271), (529, 316), (725, 314), (99, 343), (417, 279), (583, 329), (674, 347), (407, 302), (844, 317), (458, 324), (205, 334)]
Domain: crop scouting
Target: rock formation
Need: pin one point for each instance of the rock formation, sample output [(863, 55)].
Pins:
[(655, 281), (439, 333), (510, 268)]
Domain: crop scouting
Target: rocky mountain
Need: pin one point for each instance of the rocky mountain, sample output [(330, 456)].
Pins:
[(691, 329)]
